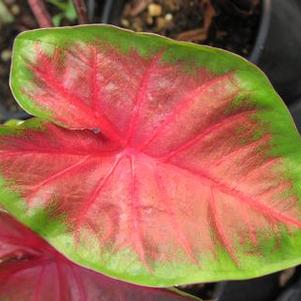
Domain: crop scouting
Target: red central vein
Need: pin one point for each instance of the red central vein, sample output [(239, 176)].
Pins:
[(173, 219), (100, 120), (56, 176), (135, 216), (95, 193), (221, 235), (210, 130), (240, 196), (182, 106), (141, 94)]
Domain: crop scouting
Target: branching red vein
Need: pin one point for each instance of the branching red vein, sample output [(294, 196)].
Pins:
[(173, 220), (240, 196), (182, 106), (94, 194), (57, 175), (210, 130), (221, 235), (53, 84), (100, 120), (141, 94)]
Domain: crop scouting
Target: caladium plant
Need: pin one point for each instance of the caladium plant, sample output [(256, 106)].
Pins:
[(30, 269), (153, 161)]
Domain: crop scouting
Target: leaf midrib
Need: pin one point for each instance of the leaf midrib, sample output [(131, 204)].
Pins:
[(204, 175)]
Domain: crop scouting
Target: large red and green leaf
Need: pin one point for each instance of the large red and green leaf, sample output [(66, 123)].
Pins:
[(169, 163), (30, 269)]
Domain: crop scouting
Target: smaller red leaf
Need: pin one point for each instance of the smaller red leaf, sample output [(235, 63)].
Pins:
[(30, 269)]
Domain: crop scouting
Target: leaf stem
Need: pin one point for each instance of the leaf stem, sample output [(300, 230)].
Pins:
[(40, 12), (81, 10)]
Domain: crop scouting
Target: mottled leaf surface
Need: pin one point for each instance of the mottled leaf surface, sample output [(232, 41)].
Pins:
[(157, 162), (31, 270)]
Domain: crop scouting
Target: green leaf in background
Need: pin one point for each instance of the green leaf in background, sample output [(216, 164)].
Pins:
[(67, 11)]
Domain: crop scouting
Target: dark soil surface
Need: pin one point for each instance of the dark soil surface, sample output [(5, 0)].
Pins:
[(22, 19), (228, 24)]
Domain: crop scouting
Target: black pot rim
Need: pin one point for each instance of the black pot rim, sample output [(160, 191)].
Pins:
[(107, 9), (262, 31)]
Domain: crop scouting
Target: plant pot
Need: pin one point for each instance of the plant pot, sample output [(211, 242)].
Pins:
[(276, 48), (259, 289)]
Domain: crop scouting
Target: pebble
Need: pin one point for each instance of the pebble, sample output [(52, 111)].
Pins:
[(6, 55), (125, 22), (154, 10), (168, 17)]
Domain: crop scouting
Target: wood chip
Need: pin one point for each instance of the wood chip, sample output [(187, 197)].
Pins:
[(200, 34), (193, 35), (209, 13)]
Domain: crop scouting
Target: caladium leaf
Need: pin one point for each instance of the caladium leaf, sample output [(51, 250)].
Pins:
[(30, 269), (182, 165)]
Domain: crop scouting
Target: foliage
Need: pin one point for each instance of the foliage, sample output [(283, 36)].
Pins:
[(153, 161), (67, 11), (30, 269)]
